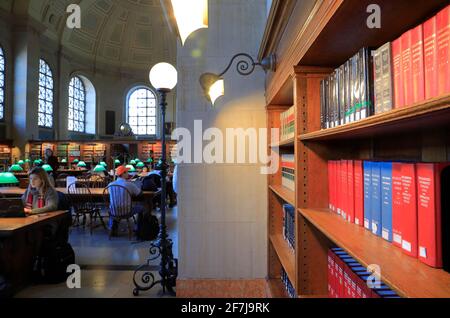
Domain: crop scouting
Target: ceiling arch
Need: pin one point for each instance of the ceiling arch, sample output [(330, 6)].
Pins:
[(125, 33)]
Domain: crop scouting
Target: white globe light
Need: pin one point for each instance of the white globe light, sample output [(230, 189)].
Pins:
[(163, 76)]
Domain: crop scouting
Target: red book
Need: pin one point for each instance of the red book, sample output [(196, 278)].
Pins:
[(350, 191), (429, 212), (330, 185), (409, 209), (338, 188), (430, 56), (418, 77), (399, 94), (359, 193), (397, 204), (407, 68), (443, 50), (331, 275), (343, 189), (339, 272)]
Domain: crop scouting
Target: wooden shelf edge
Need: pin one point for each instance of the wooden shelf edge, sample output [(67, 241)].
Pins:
[(285, 194), (276, 289), (285, 254), (422, 109), (415, 278), (286, 143)]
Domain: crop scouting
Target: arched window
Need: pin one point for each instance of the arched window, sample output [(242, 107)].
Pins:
[(142, 111), (77, 105), (45, 116), (2, 84)]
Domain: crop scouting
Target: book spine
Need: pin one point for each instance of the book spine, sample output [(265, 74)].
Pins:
[(359, 193), (409, 209), (341, 93), (397, 221), (348, 93), (407, 68), (443, 50), (375, 212), (430, 56), (399, 94), (350, 191), (327, 103), (322, 105), (336, 99), (418, 76), (367, 194), (387, 88), (386, 201), (366, 83), (378, 80), (344, 190)]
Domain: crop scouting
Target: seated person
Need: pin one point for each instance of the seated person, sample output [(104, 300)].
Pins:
[(123, 179), (144, 172), (41, 196)]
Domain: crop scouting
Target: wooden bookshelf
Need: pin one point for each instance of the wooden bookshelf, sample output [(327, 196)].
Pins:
[(431, 113), (276, 288), (284, 193), (407, 275), (317, 39)]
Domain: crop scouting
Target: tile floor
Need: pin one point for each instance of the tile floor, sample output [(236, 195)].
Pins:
[(107, 266)]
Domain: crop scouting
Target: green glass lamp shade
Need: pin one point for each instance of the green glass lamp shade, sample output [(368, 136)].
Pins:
[(81, 164), (117, 162), (20, 162), (132, 169), (8, 178), (27, 160), (103, 164), (64, 160), (99, 168), (47, 168), (15, 168), (76, 161), (133, 162), (37, 161), (137, 160), (149, 160), (140, 165)]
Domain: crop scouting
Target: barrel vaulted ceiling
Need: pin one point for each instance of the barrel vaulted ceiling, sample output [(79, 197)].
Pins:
[(121, 32)]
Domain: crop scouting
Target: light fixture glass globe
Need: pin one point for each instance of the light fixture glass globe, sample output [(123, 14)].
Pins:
[(163, 76)]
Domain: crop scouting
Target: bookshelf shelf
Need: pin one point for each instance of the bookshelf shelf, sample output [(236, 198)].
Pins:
[(285, 255), (285, 194), (430, 113), (407, 275), (286, 143)]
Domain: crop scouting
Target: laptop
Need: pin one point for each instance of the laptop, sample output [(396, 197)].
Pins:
[(12, 208)]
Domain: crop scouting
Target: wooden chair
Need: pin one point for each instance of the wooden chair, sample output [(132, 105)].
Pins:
[(99, 182), (81, 200), (120, 203)]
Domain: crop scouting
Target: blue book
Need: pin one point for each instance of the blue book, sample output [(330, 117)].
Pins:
[(386, 201), (367, 166), (375, 202)]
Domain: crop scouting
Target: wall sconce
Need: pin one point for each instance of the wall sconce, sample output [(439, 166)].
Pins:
[(213, 85), (185, 17)]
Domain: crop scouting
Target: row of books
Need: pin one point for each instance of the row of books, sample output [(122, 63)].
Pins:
[(289, 225), (287, 284), (398, 201), (287, 124), (349, 279), (412, 68), (347, 94), (288, 171), (420, 66)]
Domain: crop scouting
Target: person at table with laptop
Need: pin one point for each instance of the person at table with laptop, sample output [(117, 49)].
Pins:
[(41, 196)]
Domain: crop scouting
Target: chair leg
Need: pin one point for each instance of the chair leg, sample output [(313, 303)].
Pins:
[(101, 219), (130, 230), (91, 225)]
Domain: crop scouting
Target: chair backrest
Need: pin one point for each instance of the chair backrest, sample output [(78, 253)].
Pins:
[(80, 196), (98, 182), (119, 200)]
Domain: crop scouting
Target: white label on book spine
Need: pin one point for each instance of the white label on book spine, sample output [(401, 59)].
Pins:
[(385, 234), (397, 238), (374, 228), (366, 224), (406, 245), (356, 221), (422, 252)]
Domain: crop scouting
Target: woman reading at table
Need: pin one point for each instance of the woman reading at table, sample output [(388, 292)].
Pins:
[(41, 196)]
